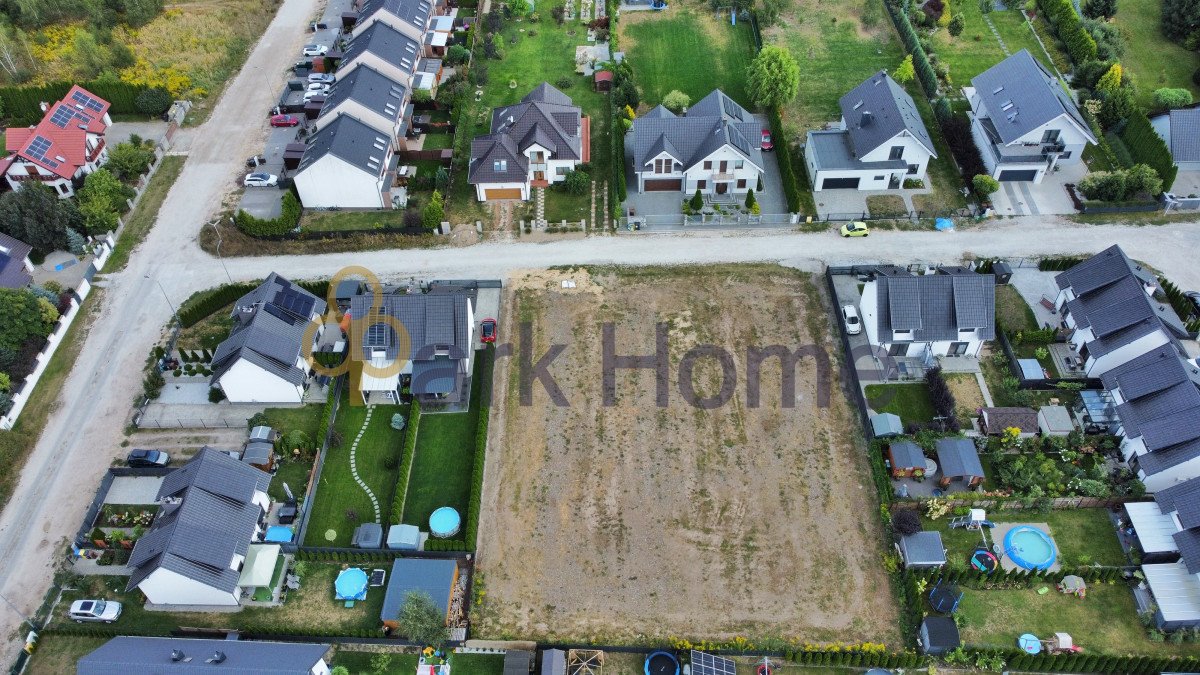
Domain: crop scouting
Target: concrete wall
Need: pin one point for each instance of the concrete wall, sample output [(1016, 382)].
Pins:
[(164, 587), (245, 382), (333, 182)]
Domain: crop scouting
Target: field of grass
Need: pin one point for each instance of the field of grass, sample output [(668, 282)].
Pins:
[(1077, 533), (909, 401), (333, 221), (977, 49), (138, 223), (685, 47), (337, 492), (1153, 60)]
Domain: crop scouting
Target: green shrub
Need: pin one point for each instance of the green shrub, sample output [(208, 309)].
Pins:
[(481, 433), (202, 304), (154, 101), (406, 460), (275, 227), (1147, 147)]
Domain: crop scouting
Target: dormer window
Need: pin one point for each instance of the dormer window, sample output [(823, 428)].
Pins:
[(500, 165)]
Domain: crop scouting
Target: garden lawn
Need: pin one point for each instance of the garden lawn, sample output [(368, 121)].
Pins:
[(337, 492), (333, 221), (909, 401), (209, 332), (1153, 60), (1012, 312), (1106, 621), (361, 662), (477, 664), (437, 142), (1076, 532), (57, 654), (977, 49), (685, 47)]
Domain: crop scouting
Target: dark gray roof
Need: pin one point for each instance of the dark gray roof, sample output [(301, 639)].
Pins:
[(372, 90), (367, 535), (833, 150), (907, 454), (942, 632), (1167, 458), (269, 325), (208, 517), (258, 452), (144, 655), (12, 262), (1188, 543), (546, 116), (284, 295), (413, 12), (433, 577), (714, 122), (1101, 270), (1182, 497), (958, 457), (351, 140), (554, 662), (879, 109), (518, 662), (1025, 419), (1150, 373), (936, 306), (1166, 418), (429, 319), (388, 44), (1185, 135), (1020, 96), (923, 548)]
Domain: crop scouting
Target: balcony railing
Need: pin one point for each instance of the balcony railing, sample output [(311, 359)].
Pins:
[(722, 176), (539, 167)]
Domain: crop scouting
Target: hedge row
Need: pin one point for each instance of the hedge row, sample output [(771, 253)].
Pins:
[(202, 304), (326, 415), (617, 192), (406, 460), (1096, 663), (24, 104), (970, 576), (1147, 147), (1065, 23), (1059, 264), (432, 544), (484, 362), (347, 556), (275, 227), (783, 151), (908, 35), (853, 657)]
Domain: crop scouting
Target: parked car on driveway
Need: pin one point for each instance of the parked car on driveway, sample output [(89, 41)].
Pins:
[(767, 143), (147, 458), (850, 318), (323, 78), (284, 120), (855, 229), (318, 86), (315, 50), (316, 92), (260, 180), (94, 610), (487, 332)]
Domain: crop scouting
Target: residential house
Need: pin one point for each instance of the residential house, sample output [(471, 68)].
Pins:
[(347, 164), (1168, 534), (422, 338), (996, 421), (129, 655), (879, 142), (411, 17), (16, 270), (266, 358), (1024, 121), (532, 144), (372, 98), (63, 148), (387, 50), (433, 577), (1107, 303), (951, 312), (715, 147), (213, 509), (1181, 130)]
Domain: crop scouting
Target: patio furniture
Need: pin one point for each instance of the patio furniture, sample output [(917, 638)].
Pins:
[(1048, 303)]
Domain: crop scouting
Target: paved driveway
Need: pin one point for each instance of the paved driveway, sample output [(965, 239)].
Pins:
[(120, 132), (1046, 198), (267, 202), (1187, 183)]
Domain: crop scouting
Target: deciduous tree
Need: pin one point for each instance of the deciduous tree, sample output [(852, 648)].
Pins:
[(422, 621), (773, 78), (904, 72)]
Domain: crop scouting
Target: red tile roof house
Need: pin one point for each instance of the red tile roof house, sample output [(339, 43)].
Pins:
[(65, 146)]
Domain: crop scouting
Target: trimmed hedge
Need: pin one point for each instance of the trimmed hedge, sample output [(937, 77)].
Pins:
[(23, 104), (202, 304), (406, 461), (486, 362), (276, 227), (1066, 24), (783, 152), (1147, 147)]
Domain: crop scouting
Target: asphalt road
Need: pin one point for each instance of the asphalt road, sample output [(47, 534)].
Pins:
[(80, 442)]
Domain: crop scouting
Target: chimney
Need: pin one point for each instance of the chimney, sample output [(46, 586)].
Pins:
[(866, 119), (178, 657), (217, 657), (44, 106)]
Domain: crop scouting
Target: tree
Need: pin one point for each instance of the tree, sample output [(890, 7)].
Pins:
[(457, 54), (985, 185), (441, 178), (434, 212), (906, 522), (945, 19), (1180, 18), (101, 199), (697, 201), (1115, 108), (1172, 98), (676, 101), (75, 243), (750, 200), (1107, 186), (625, 94), (26, 316), (35, 215), (422, 621), (339, 670), (773, 78), (1140, 179), (154, 101), (519, 7), (1100, 9), (957, 24), (904, 72), (1111, 81), (577, 182), (128, 161)]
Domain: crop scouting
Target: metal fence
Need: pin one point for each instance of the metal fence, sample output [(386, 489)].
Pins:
[(716, 220)]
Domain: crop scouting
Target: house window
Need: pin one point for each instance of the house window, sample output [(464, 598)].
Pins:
[(678, 167), (897, 152), (1050, 136), (880, 177), (708, 166), (663, 165), (912, 168), (62, 188), (1065, 155), (701, 185), (561, 171), (741, 163), (500, 165), (741, 184)]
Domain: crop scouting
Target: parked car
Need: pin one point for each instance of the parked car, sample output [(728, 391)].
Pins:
[(315, 50), (314, 27), (260, 180), (855, 229), (767, 143), (316, 92), (318, 86), (147, 458), (94, 610), (284, 120), (323, 78), (488, 331), (850, 317)]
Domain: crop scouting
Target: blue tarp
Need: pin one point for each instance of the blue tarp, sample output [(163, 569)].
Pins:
[(944, 224)]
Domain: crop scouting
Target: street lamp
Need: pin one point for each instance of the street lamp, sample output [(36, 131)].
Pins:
[(218, 233), (174, 314)]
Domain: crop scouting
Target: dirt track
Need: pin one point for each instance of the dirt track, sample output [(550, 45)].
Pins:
[(636, 521)]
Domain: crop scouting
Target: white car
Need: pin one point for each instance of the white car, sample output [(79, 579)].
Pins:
[(321, 78), (260, 180), (323, 91), (315, 50), (94, 610), (850, 317), (318, 86)]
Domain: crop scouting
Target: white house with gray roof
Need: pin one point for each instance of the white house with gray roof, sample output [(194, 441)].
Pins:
[(1024, 121), (714, 147), (266, 357), (951, 312), (385, 49), (879, 142), (411, 17), (348, 164), (373, 99), (1181, 131), (212, 510), (1168, 534), (533, 143), (130, 655)]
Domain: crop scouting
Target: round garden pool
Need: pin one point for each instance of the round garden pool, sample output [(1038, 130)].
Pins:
[(444, 522), (662, 663), (1030, 548)]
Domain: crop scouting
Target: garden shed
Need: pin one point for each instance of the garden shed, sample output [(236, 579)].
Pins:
[(435, 578), (554, 662), (959, 461), (939, 634), (259, 454), (518, 662), (906, 459), (404, 538), (996, 421), (885, 425), (923, 550), (1031, 369), (368, 535), (603, 80), (1055, 420)]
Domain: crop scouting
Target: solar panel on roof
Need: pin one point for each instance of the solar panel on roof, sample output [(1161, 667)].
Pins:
[(294, 301), (707, 664), (279, 314), (378, 335), (38, 149), (62, 117), (87, 101)]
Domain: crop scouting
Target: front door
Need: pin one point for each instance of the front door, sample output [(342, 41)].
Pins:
[(722, 188), (539, 175), (958, 348)]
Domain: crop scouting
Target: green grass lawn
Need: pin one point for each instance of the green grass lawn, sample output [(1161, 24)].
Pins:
[(1012, 312), (209, 332), (1076, 532), (684, 47), (57, 654), (1104, 622), (294, 472), (477, 664), (561, 205), (1152, 59), (909, 401), (437, 141), (977, 49), (444, 460), (330, 221), (943, 176), (338, 493)]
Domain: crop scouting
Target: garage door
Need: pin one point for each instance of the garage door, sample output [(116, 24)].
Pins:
[(1018, 175), (664, 185), (505, 193), (839, 184)]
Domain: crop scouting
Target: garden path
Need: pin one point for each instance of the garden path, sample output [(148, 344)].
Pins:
[(354, 463), (988, 20)]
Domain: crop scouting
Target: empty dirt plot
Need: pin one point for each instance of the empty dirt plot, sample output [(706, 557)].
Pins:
[(634, 522)]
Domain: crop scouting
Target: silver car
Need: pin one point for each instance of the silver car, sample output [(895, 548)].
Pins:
[(94, 610), (321, 78), (260, 180)]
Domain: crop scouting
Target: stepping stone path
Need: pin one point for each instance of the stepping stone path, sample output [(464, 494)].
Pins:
[(354, 464), (1003, 47), (540, 213)]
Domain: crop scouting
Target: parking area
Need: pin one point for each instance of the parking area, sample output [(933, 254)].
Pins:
[(267, 202), (120, 132), (133, 490), (1187, 184), (1049, 197)]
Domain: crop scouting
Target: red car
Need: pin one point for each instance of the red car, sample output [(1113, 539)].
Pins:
[(488, 332), (284, 120), (767, 143)]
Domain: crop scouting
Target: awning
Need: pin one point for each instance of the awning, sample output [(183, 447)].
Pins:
[(259, 566), (389, 382), (1155, 530), (1176, 592)]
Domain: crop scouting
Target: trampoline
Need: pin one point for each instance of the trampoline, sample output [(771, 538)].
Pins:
[(444, 522), (662, 663), (278, 534), (351, 584), (1029, 548), (944, 598), (984, 560)]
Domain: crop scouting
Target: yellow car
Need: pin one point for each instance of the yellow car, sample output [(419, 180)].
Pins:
[(855, 229)]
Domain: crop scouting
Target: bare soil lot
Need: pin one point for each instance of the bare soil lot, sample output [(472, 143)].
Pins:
[(635, 522)]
